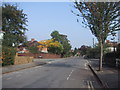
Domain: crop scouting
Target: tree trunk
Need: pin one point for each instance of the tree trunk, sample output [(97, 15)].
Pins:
[(101, 56)]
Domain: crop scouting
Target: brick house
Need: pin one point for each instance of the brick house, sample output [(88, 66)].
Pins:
[(31, 43)]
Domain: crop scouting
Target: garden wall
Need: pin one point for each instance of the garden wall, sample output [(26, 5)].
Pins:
[(22, 60)]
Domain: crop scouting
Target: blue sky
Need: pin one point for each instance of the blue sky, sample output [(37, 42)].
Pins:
[(45, 17)]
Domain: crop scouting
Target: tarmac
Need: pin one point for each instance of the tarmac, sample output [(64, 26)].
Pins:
[(36, 62), (109, 76)]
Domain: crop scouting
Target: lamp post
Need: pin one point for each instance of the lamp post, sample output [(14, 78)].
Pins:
[(1, 37)]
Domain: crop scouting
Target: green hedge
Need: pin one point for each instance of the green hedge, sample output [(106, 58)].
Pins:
[(8, 54), (93, 53), (110, 59), (118, 51)]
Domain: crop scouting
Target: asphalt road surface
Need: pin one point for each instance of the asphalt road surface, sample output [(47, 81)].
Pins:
[(65, 73)]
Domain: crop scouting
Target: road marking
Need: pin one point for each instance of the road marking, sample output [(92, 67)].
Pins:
[(9, 78), (49, 62), (91, 85), (70, 74), (37, 67), (88, 85), (87, 62), (18, 75), (86, 66)]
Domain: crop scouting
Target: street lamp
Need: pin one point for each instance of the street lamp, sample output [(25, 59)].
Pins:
[(1, 37)]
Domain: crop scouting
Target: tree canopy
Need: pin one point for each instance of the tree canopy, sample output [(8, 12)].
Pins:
[(53, 46), (63, 40), (101, 17), (14, 22)]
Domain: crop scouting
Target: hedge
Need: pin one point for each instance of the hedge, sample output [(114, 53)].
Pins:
[(8, 54), (110, 58)]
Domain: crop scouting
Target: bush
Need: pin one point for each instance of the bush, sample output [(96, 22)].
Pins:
[(8, 54), (118, 51), (93, 53), (118, 54), (110, 59), (33, 49)]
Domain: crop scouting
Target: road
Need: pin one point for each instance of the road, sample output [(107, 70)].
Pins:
[(65, 73)]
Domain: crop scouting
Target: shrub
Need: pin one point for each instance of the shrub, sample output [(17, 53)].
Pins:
[(118, 54), (118, 51), (110, 59), (33, 49), (93, 53), (8, 54)]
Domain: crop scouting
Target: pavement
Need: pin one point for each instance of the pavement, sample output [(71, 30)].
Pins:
[(36, 62), (63, 73), (109, 75), (12, 68)]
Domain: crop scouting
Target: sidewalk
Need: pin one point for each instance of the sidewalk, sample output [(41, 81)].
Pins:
[(36, 62), (13, 68), (110, 76)]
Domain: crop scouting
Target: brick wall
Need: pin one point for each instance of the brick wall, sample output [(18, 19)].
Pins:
[(22, 60)]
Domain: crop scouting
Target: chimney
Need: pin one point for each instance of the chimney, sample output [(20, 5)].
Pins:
[(32, 40)]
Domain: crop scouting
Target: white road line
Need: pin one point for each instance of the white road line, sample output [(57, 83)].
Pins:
[(91, 85), (37, 67), (70, 74), (85, 66), (18, 75), (88, 85), (9, 78), (87, 62), (49, 62), (67, 78)]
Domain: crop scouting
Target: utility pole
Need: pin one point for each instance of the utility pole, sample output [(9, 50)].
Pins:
[(93, 43)]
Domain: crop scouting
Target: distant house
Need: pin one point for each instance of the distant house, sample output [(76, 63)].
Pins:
[(112, 45), (22, 49), (44, 50), (31, 43)]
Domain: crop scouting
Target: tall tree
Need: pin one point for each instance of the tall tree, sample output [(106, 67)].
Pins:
[(101, 17), (63, 40), (52, 46), (13, 24)]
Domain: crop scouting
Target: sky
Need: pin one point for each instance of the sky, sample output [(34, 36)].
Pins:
[(45, 17)]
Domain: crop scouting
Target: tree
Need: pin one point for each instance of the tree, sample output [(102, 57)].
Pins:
[(13, 24), (101, 17), (83, 49), (33, 49), (53, 46), (75, 52), (63, 40)]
